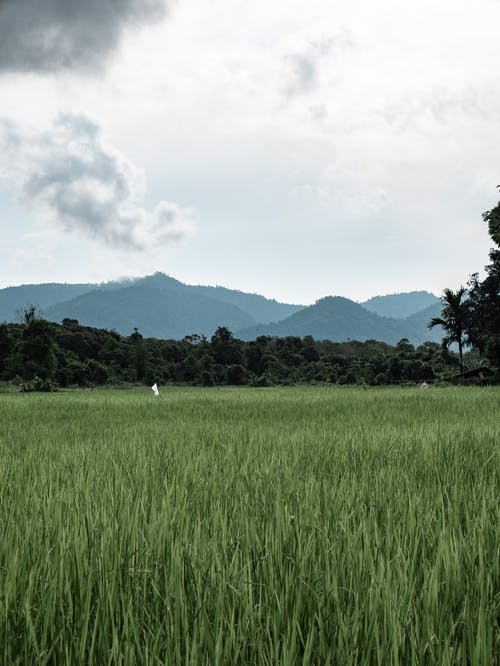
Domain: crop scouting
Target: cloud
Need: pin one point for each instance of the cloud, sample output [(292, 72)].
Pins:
[(350, 197), (84, 186), (303, 68), (303, 75), (68, 34)]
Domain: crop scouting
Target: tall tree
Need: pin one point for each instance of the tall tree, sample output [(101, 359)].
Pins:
[(226, 348), (453, 320), (6, 345), (140, 355), (484, 297), (38, 349)]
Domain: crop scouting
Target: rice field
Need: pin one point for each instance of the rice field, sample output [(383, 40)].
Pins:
[(250, 526)]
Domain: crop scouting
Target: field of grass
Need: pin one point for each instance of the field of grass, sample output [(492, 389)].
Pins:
[(252, 526)]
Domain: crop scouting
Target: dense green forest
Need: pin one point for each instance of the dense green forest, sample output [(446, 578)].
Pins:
[(42, 355)]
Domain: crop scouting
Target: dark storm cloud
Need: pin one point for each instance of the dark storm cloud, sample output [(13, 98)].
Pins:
[(51, 35), (81, 185)]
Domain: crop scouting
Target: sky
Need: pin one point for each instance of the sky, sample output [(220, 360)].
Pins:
[(293, 148)]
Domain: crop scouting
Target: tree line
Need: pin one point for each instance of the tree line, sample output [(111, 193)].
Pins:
[(41, 355)]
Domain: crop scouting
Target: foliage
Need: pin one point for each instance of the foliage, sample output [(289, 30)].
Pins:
[(6, 343), (40, 385), (453, 320), (484, 297), (476, 320), (37, 349), (72, 355)]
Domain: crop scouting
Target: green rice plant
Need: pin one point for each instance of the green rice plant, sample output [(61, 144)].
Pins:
[(250, 526)]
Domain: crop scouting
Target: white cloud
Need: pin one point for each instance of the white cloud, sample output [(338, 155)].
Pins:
[(303, 69), (81, 185)]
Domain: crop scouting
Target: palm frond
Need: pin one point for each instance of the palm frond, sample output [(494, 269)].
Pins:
[(446, 342), (436, 321)]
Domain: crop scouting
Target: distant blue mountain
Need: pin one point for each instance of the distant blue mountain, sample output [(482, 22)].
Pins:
[(158, 305), (14, 299), (156, 310), (340, 319), (400, 305), (163, 307)]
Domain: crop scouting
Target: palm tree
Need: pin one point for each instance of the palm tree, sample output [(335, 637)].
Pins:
[(453, 320)]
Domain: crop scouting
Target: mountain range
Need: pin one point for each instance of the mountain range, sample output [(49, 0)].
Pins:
[(340, 319), (163, 307)]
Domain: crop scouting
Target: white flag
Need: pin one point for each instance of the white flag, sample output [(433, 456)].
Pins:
[(155, 389)]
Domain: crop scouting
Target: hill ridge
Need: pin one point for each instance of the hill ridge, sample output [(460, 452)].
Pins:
[(159, 305)]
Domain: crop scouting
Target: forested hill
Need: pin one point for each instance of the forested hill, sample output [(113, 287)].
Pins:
[(340, 319), (157, 304), (156, 311), (401, 305), (14, 299), (420, 319), (161, 306), (263, 310)]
